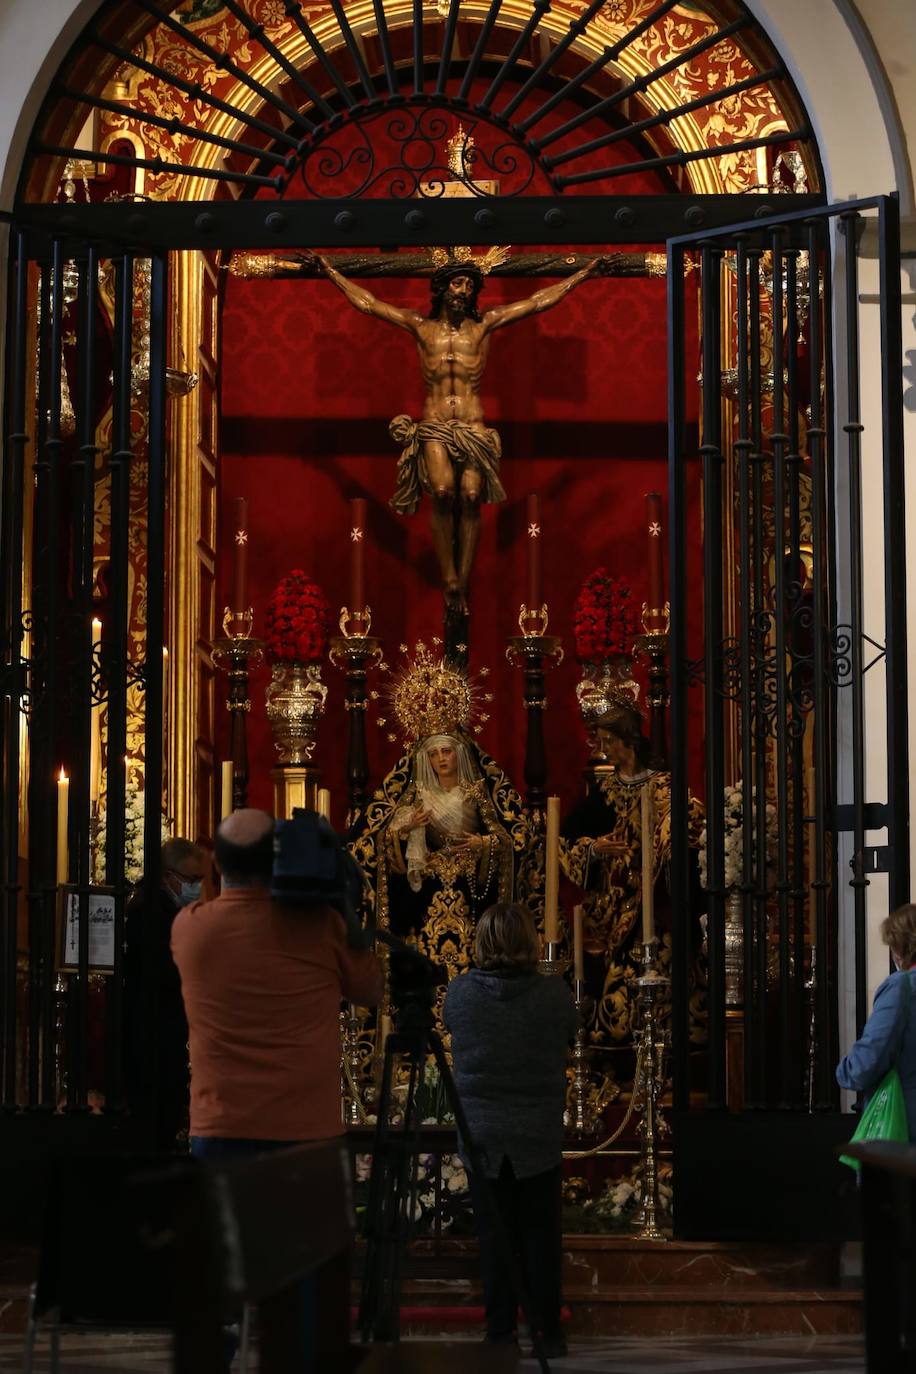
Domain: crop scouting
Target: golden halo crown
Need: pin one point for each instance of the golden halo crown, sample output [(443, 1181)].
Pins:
[(598, 697), (430, 696)]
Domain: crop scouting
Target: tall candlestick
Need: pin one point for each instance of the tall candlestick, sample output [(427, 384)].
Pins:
[(552, 872), (654, 532), (63, 815), (647, 816), (533, 536), (226, 774), (95, 724), (324, 803), (239, 526), (578, 949), (357, 556)]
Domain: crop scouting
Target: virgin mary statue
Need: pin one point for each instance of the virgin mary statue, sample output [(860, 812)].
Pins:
[(444, 835)]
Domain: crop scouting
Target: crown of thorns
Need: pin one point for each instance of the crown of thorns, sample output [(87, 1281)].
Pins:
[(464, 262)]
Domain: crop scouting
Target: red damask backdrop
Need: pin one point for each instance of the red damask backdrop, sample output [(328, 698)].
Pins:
[(579, 397)]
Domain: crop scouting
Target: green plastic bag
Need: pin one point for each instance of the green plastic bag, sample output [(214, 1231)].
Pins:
[(884, 1118)]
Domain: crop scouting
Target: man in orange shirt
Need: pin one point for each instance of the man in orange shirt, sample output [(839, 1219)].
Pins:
[(262, 984)]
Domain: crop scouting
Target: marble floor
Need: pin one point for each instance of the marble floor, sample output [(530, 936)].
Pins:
[(126, 1354)]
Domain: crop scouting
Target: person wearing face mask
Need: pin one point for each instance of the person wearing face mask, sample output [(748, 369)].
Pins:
[(184, 866), (889, 1037)]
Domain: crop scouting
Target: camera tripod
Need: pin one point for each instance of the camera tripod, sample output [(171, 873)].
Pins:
[(392, 1184)]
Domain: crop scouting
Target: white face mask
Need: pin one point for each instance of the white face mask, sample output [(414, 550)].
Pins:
[(189, 892)]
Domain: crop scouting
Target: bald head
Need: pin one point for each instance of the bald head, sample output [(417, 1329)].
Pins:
[(245, 848)]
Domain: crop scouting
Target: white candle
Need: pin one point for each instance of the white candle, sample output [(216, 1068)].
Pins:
[(95, 724), (226, 777), (552, 872), (384, 1029), (63, 812), (324, 803), (578, 950), (647, 815)]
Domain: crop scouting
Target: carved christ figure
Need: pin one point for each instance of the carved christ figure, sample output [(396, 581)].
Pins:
[(450, 453)]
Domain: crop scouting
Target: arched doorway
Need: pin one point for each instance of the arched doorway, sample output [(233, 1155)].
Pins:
[(577, 80)]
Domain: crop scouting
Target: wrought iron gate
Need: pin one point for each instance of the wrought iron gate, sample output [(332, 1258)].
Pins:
[(58, 672), (778, 672)]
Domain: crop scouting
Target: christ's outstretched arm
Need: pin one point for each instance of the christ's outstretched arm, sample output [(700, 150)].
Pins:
[(541, 300), (371, 305)]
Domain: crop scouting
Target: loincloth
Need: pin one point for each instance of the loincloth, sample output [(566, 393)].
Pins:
[(467, 447)]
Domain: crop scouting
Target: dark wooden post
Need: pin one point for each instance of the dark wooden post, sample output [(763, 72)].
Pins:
[(354, 654), (238, 654), (534, 653)]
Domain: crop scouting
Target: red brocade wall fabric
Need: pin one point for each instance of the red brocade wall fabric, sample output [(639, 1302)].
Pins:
[(578, 395)]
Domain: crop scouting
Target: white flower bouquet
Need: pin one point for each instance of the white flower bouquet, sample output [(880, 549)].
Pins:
[(734, 837)]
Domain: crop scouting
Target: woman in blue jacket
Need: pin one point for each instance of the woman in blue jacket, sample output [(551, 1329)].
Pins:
[(889, 1037)]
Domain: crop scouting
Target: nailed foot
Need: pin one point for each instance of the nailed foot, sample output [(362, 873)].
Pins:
[(455, 598)]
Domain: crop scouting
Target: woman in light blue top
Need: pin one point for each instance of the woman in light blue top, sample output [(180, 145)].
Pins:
[(889, 1037)]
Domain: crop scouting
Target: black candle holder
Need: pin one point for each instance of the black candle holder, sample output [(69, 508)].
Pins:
[(237, 653), (653, 643), (354, 652), (534, 651)]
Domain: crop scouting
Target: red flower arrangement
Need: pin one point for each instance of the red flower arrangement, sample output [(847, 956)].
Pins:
[(604, 618), (297, 620)]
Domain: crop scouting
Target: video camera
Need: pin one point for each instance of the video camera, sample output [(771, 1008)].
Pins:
[(313, 865), (412, 982)]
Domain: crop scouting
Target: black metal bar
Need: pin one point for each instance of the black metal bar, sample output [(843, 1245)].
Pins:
[(418, 47), (642, 83), (760, 623), (797, 667), (830, 861), (799, 218), (158, 164), (382, 26), (225, 64), (13, 514), (294, 12), (823, 1088), (448, 43), (83, 468), (480, 48), (681, 159), (155, 638), (892, 440), (507, 66), (743, 446), (116, 660), (354, 50), (257, 224), (778, 443), (53, 680), (677, 558), (175, 126), (192, 88), (711, 455), (663, 117), (259, 33), (853, 430), (41, 762)]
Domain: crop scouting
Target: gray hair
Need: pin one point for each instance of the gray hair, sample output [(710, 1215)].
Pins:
[(177, 851)]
